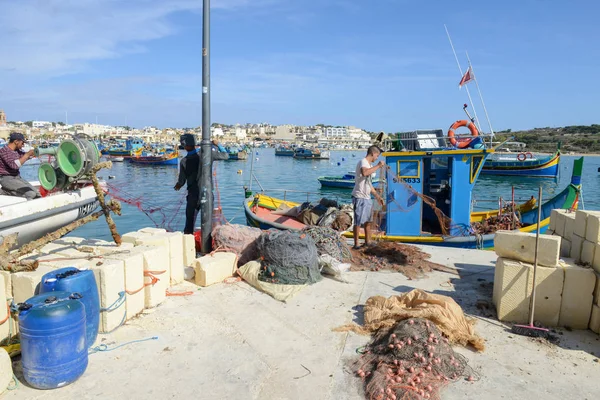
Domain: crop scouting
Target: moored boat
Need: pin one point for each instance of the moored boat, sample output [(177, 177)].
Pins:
[(284, 151), (303, 153), (345, 181), (156, 160), (132, 148), (523, 164), (238, 155)]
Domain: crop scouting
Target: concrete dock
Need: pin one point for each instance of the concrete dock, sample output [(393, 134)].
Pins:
[(229, 341)]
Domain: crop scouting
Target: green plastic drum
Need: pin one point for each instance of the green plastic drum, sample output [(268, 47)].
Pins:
[(47, 176)]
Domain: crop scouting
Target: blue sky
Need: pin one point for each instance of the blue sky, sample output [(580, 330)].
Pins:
[(378, 64)]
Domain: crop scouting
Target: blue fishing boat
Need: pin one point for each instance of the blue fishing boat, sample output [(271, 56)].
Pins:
[(284, 151), (166, 158), (133, 146), (428, 200), (522, 164), (345, 181), (302, 153)]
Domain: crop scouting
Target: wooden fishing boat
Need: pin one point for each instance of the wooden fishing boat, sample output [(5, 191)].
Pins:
[(302, 153), (284, 151), (428, 201), (238, 155), (523, 164), (345, 181), (132, 148), (156, 160)]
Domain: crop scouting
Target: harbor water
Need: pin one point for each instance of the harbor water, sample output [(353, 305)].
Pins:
[(152, 200)]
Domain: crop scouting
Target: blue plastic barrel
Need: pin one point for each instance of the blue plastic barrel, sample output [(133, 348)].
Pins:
[(53, 343), (71, 279)]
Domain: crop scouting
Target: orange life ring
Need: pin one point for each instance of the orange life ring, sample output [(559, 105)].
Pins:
[(462, 142), (524, 156), (529, 155)]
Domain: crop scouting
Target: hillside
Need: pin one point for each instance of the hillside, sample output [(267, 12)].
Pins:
[(576, 138)]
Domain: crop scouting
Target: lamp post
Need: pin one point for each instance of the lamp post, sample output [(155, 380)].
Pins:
[(206, 195)]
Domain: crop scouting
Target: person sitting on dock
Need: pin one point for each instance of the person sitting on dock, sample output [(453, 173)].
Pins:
[(12, 157), (361, 195), (190, 172)]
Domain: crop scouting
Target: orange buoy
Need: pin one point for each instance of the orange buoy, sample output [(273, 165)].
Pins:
[(523, 158), (529, 155), (462, 142)]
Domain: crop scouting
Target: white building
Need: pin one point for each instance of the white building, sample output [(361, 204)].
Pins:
[(40, 124), (94, 130), (333, 133), (240, 133), (285, 132), (217, 132)]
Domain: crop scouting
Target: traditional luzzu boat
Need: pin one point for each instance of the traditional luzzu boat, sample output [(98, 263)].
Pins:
[(284, 151), (522, 164), (132, 148), (428, 196), (166, 158), (303, 153), (67, 193), (345, 181)]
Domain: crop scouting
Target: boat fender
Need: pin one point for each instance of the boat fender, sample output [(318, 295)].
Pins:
[(522, 156), (462, 143)]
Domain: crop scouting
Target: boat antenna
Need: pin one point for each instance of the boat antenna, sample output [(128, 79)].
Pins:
[(480, 96), (461, 74), (206, 197)]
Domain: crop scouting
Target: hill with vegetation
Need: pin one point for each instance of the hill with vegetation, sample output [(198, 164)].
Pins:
[(576, 138)]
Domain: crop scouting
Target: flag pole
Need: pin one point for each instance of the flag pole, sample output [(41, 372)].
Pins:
[(480, 96), (461, 74)]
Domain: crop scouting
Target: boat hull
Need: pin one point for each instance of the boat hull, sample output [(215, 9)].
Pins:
[(35, 218), (284, 153), (341, 183), (546, 167), (154, 161)]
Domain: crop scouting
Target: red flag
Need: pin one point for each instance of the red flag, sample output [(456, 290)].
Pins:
[(467, 77)]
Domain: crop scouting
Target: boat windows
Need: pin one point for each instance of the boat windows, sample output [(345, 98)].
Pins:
[(409, 169)]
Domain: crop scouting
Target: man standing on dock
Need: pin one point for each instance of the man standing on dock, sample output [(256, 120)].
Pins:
[(190, 172), (12, 157), (361, 195)]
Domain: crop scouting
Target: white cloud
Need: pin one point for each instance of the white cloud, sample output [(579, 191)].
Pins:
[(57, 37)]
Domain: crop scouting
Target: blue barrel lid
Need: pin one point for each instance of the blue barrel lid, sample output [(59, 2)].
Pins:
[(48, 308), (65, 273)]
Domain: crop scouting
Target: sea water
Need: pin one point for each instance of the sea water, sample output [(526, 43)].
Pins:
[(149, 190)]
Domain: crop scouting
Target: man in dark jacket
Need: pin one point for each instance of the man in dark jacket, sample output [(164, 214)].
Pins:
[(190, 172)]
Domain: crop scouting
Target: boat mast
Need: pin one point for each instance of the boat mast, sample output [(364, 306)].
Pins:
[(461, 74), (206, 197), (481, 97)]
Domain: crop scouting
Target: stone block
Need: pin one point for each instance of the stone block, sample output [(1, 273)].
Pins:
[(133, 237), (520, 246), (565, 248), (174, 241), (101, 247), (26, 284), (558, 220), (160, 241), (134, 281), (596, 262), (569, 225), (189, 250), (577, 296), (576, 245), (549, 232), (110, 279), (592, 231), (214, 268), (588, 249), (595, 319), (513, 286), (70, 240), (581, 217), (53, 248), (56, 261), (597, 291), (156, 264), (7, 282), (6, 372), (153, 231), (5, 319)]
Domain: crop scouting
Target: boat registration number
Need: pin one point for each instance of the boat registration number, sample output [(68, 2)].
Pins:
[(87, 209), (411, 180)]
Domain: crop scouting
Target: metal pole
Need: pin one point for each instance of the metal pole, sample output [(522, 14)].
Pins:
[(535, 258), (206, 199), (480, 96), (461, 75)]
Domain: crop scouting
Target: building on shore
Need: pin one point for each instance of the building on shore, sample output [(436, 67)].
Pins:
[(2, 118)]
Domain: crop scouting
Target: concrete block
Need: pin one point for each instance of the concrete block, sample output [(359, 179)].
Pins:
[(110, 279), (26, 284), (153, 231), (5, 319), (6, 372), (549, 232), (214, 268), (581, 217), (521, 246), (592, 231), (156, 264), (595, 319), (70, 240), (513, 286), (565, 248), (174, 242), (588, 249), (133, 237), (596, 262), (7, 282), (576, 245), (161, 242), (134, 281), (557, 221), (53, 248), (577, 296), (101, 247), (189, 250), (597, 291), (569, 225), (56, 261)]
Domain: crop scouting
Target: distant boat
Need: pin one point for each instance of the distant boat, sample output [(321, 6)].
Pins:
[(171, 158), (522, 164), (116, 158), (132, 147), (302, 153), (238, 155), (345, 182), (284, 151)]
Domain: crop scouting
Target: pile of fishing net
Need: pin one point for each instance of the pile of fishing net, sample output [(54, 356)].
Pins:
[(328, 241), (410, 356), (324, 213), (238, 239), (288, 257)]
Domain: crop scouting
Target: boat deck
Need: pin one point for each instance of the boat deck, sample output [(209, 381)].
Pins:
[(268, 215)]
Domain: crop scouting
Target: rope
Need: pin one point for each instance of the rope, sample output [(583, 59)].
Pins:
[(186, 293), (153, 281), (15, 385), (105, 348), (114, 306)]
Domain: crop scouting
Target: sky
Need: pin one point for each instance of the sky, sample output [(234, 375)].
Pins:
[(379, 64)]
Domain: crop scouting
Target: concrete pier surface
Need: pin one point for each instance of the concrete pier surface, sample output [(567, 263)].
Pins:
[(229, 341)]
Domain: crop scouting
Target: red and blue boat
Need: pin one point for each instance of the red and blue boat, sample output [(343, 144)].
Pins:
[(522, 164)]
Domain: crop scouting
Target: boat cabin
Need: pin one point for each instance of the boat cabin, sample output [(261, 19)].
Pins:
[(420, 184)]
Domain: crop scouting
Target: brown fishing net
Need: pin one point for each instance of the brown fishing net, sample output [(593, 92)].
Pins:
[(238, 239), (411, 360)]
